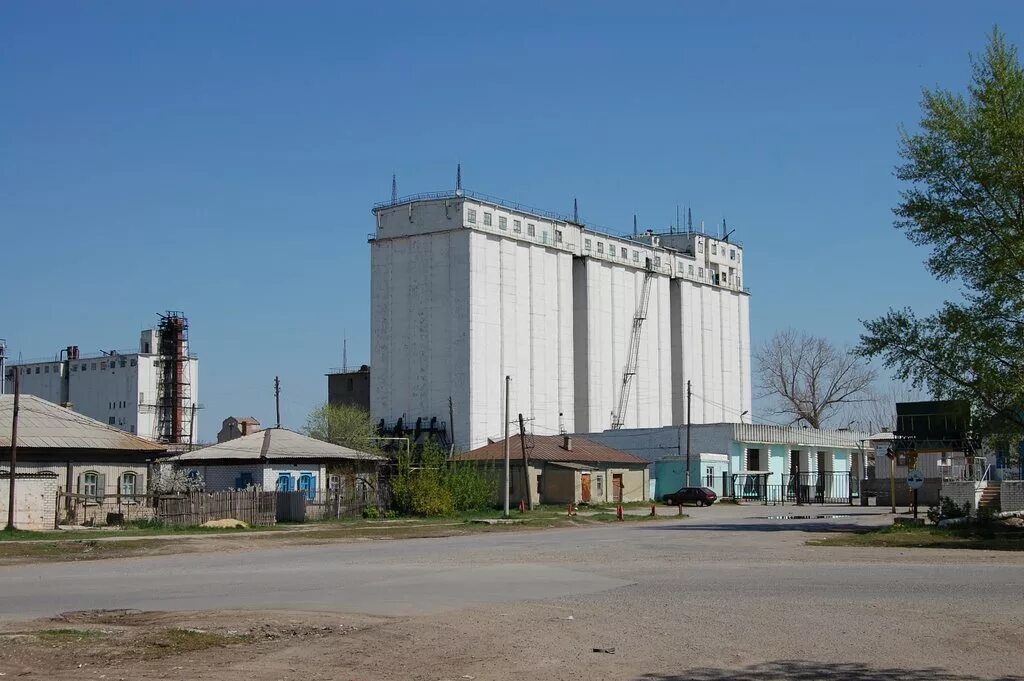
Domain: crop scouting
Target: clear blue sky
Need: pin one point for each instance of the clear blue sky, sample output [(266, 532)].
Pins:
[(222, 158)]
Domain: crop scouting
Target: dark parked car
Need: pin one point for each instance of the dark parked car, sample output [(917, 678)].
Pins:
[(702, 496)]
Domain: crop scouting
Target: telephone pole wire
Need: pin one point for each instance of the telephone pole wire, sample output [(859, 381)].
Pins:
[(688, 400), (508, 466), (14, 448), (277, 398)]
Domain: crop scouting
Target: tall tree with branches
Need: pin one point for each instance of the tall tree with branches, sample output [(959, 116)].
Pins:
[(965, 202), (810, 379)]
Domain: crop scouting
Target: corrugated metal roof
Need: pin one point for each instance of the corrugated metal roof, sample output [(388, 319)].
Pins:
[(274, 443), (45, 425), (550, 448)]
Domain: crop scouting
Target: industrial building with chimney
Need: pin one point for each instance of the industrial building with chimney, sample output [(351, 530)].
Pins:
[(152, 392), (597, 331)]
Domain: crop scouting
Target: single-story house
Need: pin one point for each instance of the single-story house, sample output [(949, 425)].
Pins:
[(749, 459), (62, 450), (565, 469), (282, 460)]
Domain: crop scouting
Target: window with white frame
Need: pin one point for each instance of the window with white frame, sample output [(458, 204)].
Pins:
[(732, 254), (600, 247), (128, 484), (471, 216), (657, 261), (90, 486), (700, 246), (487, 219), (700, 272), (502, 223), (531, 229), (636, 256), (558, 236), (714, 249), (517, 226), (586, 244), (689, 270), (625, 252)]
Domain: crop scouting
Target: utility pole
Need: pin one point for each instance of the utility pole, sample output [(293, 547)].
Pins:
[(277, 398), (508, 466), (14, 448), (689, 393), (192, 427), (526, 462), (451, 422)]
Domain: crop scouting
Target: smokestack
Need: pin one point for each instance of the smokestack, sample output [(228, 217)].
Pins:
[(567, 443)]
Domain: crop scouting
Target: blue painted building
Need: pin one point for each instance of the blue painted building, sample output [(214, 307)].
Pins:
[(748, 459)]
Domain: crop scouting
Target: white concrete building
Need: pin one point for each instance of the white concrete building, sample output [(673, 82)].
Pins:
[(467, 289), (125, 389)]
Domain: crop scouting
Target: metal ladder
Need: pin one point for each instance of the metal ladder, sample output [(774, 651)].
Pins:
[(633, 356)]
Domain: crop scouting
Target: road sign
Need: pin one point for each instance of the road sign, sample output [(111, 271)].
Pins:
[(915, 479)]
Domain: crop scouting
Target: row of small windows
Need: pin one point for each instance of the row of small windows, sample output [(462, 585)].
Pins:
[(733, 254), (84, 366), (517, 225)]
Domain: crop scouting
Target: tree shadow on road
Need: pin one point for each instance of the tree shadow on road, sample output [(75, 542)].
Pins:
[(803, 670)]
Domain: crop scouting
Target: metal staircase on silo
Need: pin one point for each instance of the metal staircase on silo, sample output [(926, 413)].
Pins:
[(633, 354)]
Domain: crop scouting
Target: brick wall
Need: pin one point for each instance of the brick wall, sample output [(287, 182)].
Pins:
[(1011, 495), (963, 493), (34, 505)]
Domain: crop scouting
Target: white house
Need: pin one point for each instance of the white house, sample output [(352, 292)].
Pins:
[(282, 460)]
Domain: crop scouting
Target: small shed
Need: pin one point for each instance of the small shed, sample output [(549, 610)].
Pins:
[(564, 469)]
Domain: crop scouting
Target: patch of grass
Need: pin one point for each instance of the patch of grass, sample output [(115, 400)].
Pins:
[(22, 535), (63, 635), (992, 538), (176, 641), (127, 531), (35, 551)]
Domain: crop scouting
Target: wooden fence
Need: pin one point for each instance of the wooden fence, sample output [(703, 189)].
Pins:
[(182, 510), (251, 506)]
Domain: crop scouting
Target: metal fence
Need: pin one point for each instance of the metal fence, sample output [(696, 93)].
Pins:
[(812, 487)]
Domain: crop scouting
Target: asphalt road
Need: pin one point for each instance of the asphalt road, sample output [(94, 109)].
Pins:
[(738, 586)]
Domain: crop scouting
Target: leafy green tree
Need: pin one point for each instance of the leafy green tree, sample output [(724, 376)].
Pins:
[(343, 425), (965, 202)]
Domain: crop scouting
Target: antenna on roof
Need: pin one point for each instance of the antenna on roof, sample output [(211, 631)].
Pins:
[(575, 211), (702, 227), (677, 219), (723, 227), (344, 354), (458, 180), (634, 224), (394, 189), (689, 219)]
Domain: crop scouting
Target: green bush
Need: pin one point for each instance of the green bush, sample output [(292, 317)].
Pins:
[(947, 509), (438, 486)]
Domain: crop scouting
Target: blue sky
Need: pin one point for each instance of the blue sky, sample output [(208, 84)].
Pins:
[(221, 158)]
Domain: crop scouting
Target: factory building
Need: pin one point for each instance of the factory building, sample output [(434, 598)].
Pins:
[(597, 331), (151, 392)]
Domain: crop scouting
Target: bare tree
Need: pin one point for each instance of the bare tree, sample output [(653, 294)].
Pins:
[(811, 379)]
